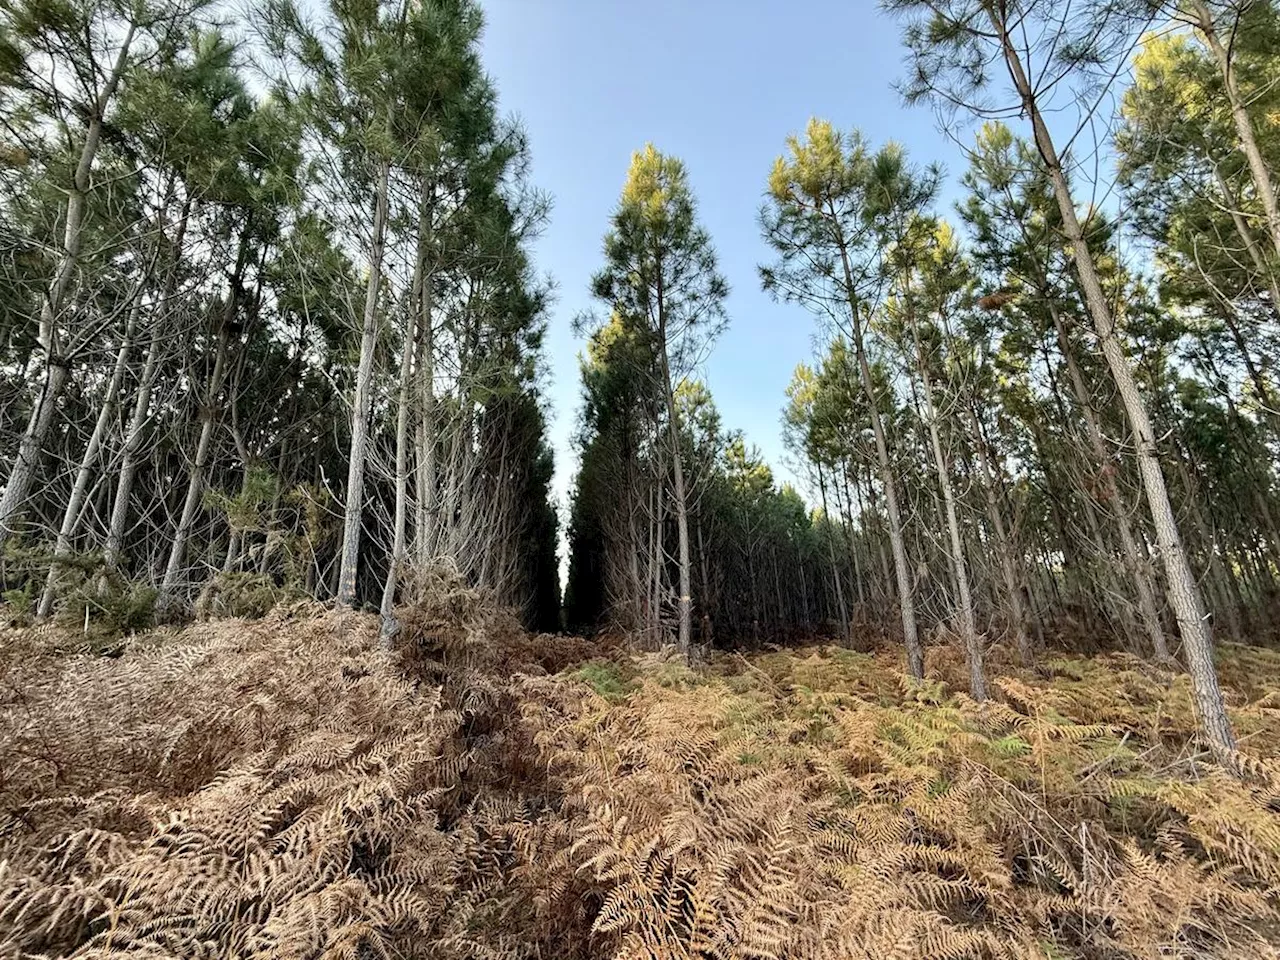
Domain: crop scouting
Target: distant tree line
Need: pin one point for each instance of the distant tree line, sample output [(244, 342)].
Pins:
[(268, 325)]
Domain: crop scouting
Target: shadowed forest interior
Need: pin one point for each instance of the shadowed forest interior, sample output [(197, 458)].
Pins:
[(304, 656)]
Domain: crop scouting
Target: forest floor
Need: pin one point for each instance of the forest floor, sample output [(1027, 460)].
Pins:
[(284, 788)]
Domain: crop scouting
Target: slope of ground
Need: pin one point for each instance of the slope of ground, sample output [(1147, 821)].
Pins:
[(283, 788)]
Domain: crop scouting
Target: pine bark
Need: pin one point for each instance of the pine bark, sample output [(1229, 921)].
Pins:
[(114, 546), (964, 598), (682, 513), (88, 463), (1012, 589), (1248, 142), (902, 569), (353, 514)]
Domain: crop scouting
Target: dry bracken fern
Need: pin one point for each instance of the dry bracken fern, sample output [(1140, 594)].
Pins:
[(279, 788), (812, 805), (284, 788)]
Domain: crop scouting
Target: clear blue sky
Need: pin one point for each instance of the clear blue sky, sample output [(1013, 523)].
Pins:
[(719, 83)]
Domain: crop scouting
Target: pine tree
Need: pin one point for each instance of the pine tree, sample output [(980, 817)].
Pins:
[(822, 219), (661, 282), (945, 41)]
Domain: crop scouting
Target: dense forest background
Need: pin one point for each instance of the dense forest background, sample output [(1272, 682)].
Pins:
[(271, 329)]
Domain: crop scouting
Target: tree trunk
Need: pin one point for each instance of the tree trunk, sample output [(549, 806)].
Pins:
[(428, 518), (704, 584), (208, 420), (195, 483), (1183, 592), (685, 601), (657, 557), (362, 402), (1133, 559), (390, 625), (141, 408), (1232, 203), (1244, 126), (682, 517), (634, 544), (906, 602), (855, 565), (129, 460), (859, 578), (57, 373), (1013, 592), (57, 370), (887, 582), (964, 600), (835, 569), (75, 504)]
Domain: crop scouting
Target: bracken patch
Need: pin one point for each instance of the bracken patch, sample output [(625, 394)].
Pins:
[(285, 788)]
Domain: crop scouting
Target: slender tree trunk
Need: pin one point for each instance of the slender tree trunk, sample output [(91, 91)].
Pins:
[(806, 605), (1137, 570), (704, 584), (906, 601), (754, 586), (208, 420), (1269, 408), (677, 476), (75, 503), (238, 539), (419, 310), (780, 614), (1221, 579), (362, 401), (682, 530), (460, 477), (844, 507), (835, 569), (859, 588), (195, 482), (1013, 592), (1248, 143), (56, 375), (57, 370), (964, 600), (855, 571), (129, 458), (389, 624), (141, 407), (429, 521), (1232, 203), (1183, 592), (657, 557), (887, 582), (1134, 563), (635, 545)]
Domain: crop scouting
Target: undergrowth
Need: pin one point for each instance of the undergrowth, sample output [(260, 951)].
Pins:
[(819, 804), (275, 788), (284, 788)]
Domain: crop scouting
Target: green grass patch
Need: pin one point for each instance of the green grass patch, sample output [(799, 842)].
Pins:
[(611, 680)]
